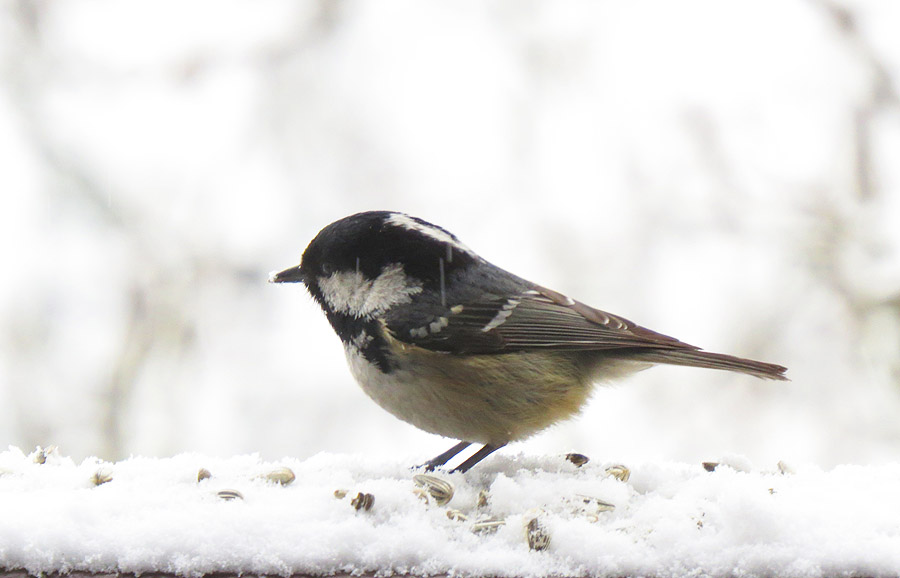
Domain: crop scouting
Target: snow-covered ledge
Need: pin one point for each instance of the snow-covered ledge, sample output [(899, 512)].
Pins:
[(510, 516)]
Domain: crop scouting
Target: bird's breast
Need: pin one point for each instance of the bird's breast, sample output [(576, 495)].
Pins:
[(478, 398)]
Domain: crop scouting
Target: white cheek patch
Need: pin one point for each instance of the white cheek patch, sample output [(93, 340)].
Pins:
[(349, 292), (410, 224)]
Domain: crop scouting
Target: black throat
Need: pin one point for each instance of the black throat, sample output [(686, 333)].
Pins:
[(366, 335)]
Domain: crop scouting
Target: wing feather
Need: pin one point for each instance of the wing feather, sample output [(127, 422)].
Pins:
[(534, 319)]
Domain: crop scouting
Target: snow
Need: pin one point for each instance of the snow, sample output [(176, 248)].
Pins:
[(670, 519)]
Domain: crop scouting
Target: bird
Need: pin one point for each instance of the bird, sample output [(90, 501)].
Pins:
[(456, 346)]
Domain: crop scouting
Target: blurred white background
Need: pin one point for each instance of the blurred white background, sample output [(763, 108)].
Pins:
[(727, 172)]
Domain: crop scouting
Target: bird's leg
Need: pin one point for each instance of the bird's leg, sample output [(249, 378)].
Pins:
[(445, 457), (484, 452)]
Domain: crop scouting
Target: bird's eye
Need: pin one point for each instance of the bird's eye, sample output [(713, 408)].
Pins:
[(327, 269)]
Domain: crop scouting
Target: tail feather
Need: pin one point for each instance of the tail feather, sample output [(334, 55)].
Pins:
[(697, 358)]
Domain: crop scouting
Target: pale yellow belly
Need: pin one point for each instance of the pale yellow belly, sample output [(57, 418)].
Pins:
[(486, 398)]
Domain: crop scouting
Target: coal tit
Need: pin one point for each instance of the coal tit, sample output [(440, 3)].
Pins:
[(458, 347)]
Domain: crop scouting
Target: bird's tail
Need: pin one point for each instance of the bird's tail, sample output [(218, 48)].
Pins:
[(698, 358)]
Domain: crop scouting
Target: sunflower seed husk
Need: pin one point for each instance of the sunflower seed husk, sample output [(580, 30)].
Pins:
[(619, 472), (440, 490), (282, 475), (102, 476), (229, 495), (457, 515), (363, 501), (488, 525), (578, 459), (785, 468), (41, 454), (537, 535), (596, 504)]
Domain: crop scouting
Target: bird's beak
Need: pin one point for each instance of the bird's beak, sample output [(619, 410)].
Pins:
[(292, 275)]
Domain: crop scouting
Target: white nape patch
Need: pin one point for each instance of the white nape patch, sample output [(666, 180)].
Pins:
[(501, 315), (407, 222), (351, 293)]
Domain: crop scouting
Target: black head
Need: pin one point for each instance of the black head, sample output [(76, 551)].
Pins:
[(371, 243)]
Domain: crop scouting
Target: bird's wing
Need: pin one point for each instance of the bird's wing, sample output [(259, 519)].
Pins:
[(533, 319)]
